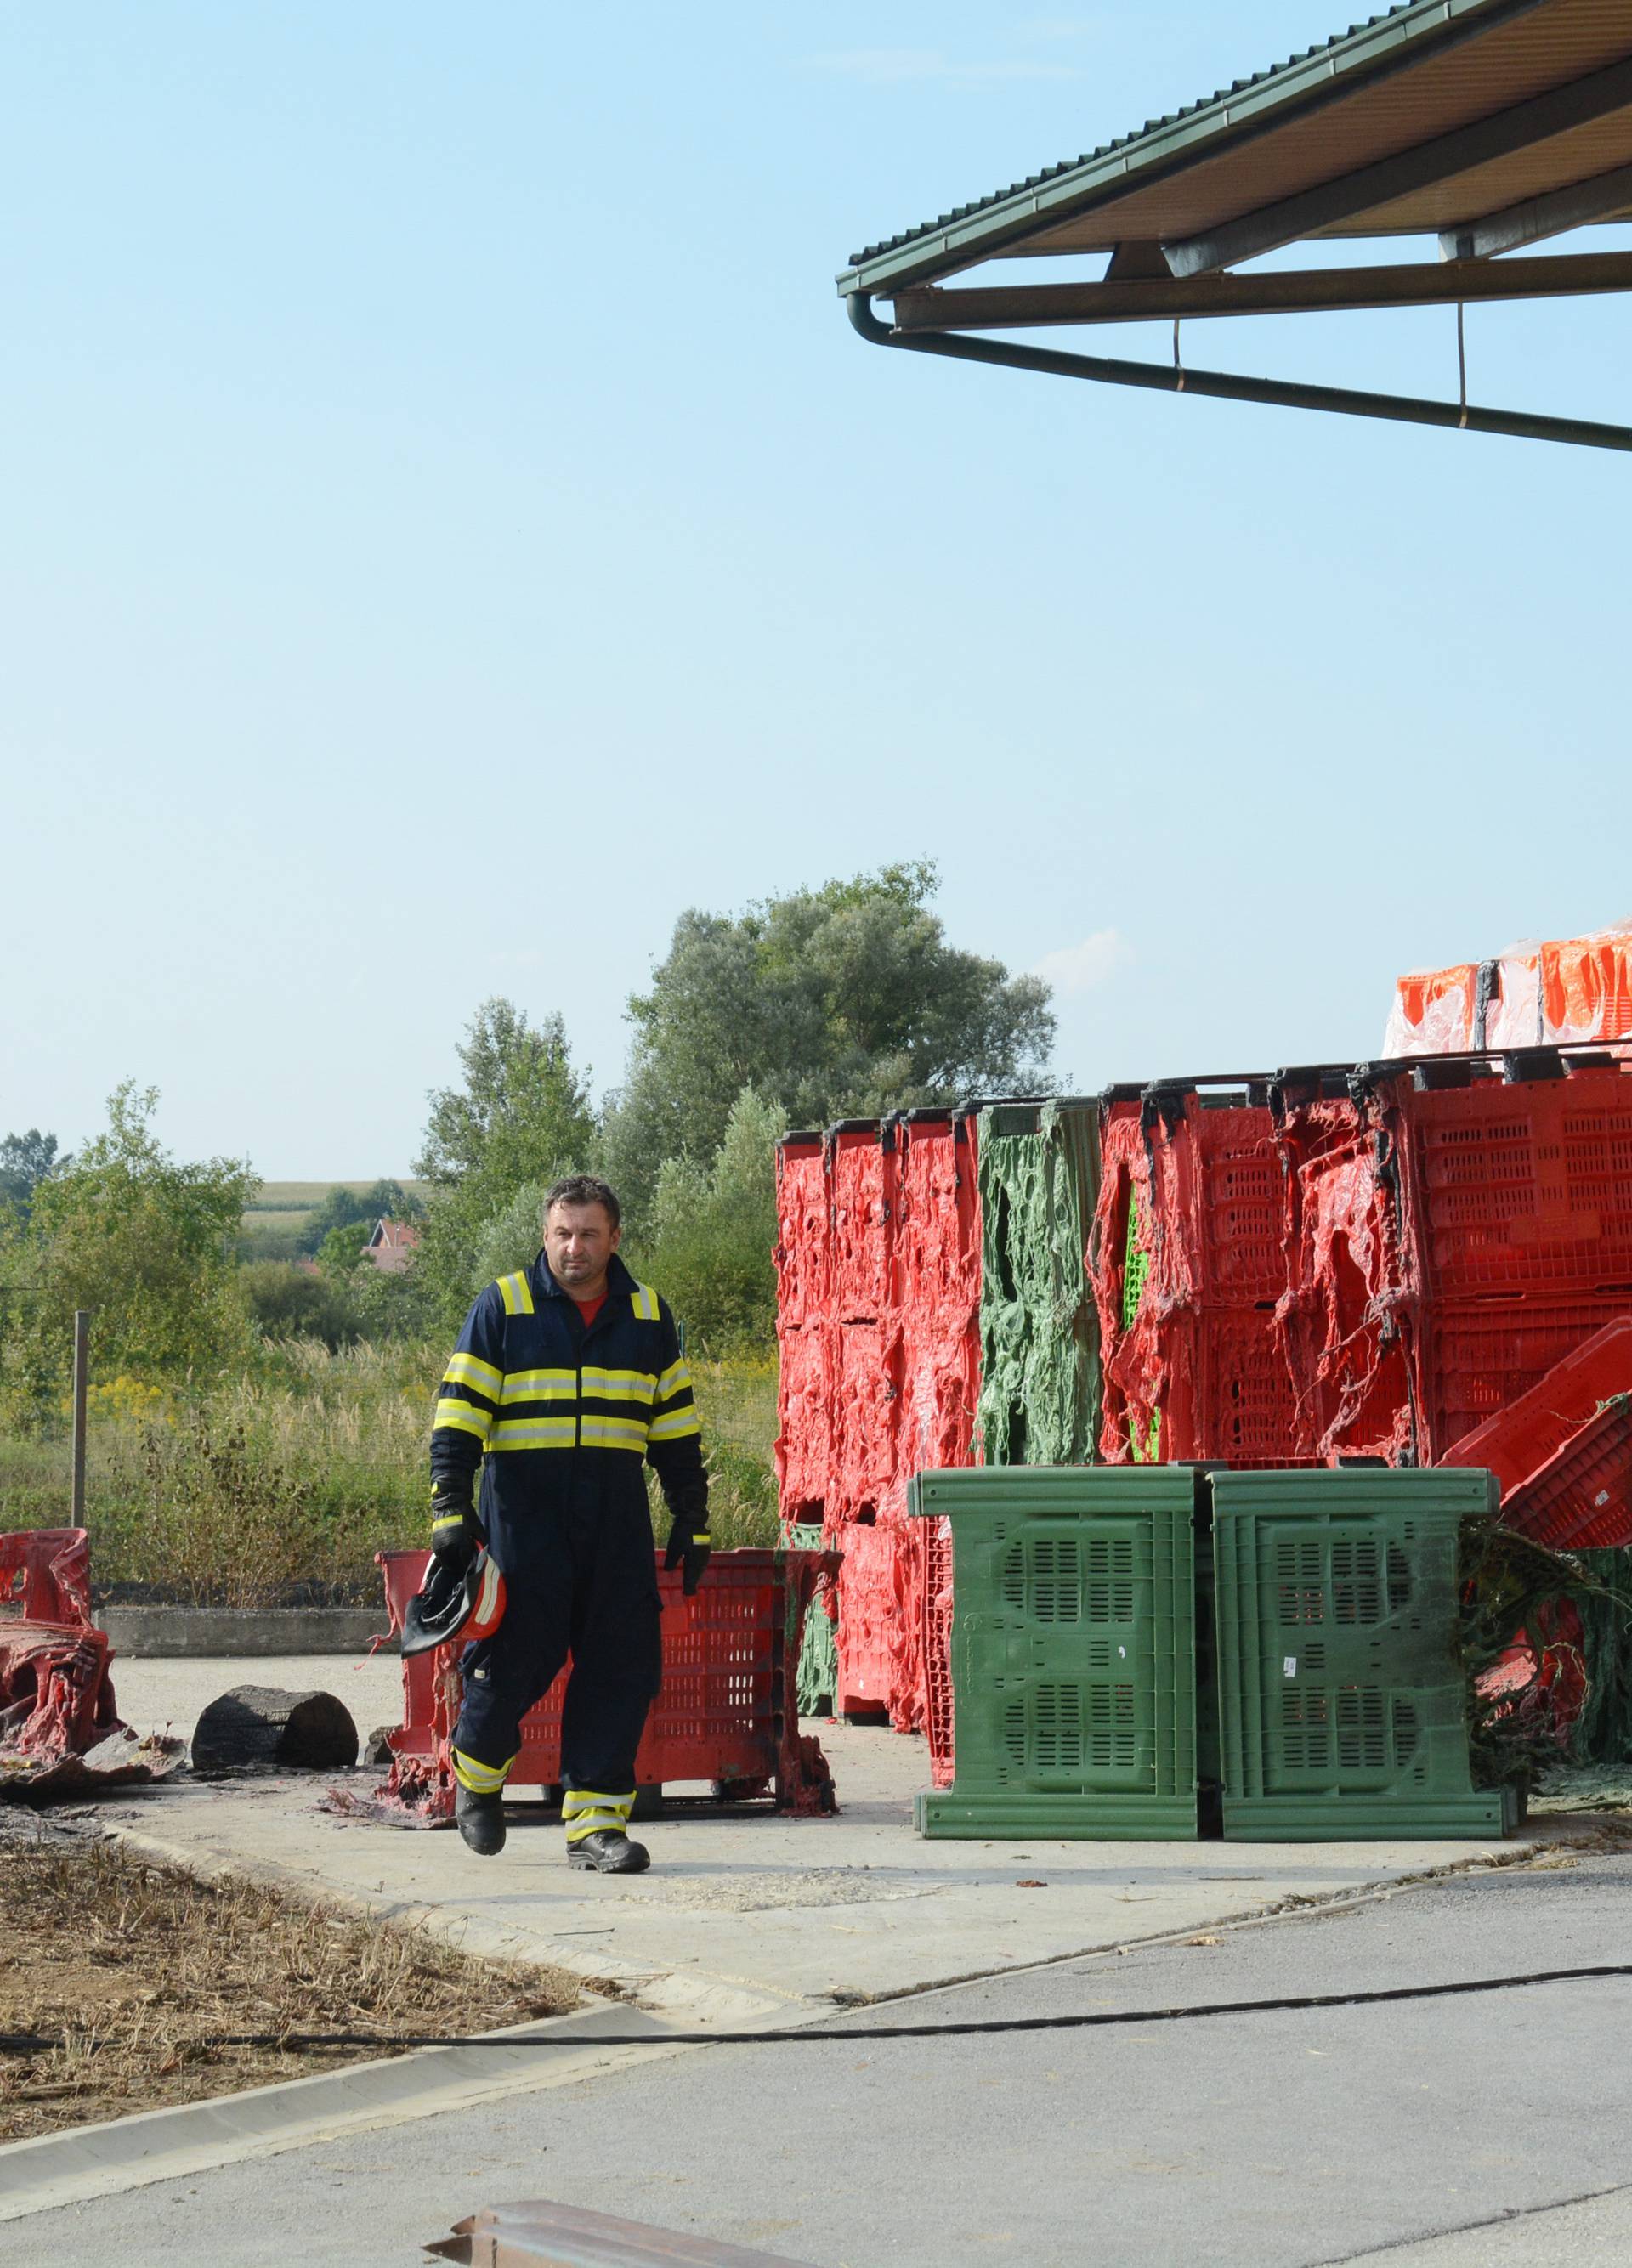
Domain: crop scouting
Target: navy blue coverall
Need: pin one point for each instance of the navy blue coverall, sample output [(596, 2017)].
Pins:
[(563, 1418)]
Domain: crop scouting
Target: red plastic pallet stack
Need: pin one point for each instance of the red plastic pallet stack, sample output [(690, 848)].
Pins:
[(1188, 1265), (1516, 1210), (878, 1272)]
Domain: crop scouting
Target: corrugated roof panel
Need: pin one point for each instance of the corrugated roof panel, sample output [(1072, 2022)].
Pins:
[(1293, 130)]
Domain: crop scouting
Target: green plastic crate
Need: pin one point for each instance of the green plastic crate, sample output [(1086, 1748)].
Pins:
[(1072, 1652), (1342, 1707), (817, 1679)]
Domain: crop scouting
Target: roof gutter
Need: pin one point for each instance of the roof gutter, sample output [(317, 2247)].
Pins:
[(1224, 385)]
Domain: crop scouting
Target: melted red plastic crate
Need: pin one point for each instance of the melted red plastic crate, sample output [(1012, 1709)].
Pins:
[(1581, 1499), (803, 1242), (1522, 1436), (1468, 1363), (861, 1182)]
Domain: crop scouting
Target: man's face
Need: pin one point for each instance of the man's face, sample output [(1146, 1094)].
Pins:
[(578, 1241)]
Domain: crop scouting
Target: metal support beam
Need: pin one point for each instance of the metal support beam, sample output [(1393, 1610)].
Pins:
[(1298, 290), (1356, 193), (1603, 198), (1224, 385)]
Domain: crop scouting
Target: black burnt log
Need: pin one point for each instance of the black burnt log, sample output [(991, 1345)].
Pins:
[(258, 1727)]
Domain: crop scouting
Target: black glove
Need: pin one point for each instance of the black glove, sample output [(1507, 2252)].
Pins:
[(689, 1541), (455, 1536)]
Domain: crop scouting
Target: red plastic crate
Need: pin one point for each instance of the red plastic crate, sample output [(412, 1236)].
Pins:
[(719, 1717), (805, 1358), (1526, 1433), (860, 1183), (938, 1708), (1581, 1499), (802, 1240), (1218, 1385), (1523, 1186), (867, 1618), (1469, 1364)]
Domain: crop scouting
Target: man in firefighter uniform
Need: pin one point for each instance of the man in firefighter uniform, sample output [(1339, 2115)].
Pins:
[(568, 1379)]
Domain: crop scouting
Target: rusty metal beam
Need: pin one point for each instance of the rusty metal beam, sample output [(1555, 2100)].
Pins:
[(1295, 291), (1604, 198)]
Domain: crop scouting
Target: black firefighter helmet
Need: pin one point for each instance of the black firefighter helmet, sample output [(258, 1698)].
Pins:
[(448, 1607)]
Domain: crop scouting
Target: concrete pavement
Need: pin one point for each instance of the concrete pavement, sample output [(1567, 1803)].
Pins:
[(743, 1912), (1455, 2133)]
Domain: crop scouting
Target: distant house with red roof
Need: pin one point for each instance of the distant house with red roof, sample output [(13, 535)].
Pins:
[(392, 1246)]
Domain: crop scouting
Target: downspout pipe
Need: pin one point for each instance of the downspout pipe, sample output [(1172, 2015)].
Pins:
[(1224, 385)]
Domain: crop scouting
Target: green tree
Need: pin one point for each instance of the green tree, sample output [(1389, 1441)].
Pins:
[(712, 1231), (845, 1001), (521, 1117), (285, 1303), (342, 1248), (142, 1239), (26, 1161)]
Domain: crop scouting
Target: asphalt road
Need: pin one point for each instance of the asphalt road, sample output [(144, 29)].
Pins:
[(1450, 2133)]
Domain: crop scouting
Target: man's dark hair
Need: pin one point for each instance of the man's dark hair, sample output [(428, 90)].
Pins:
[(583, 1190)]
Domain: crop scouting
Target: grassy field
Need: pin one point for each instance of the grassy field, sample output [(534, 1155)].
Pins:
[(278, 1487)]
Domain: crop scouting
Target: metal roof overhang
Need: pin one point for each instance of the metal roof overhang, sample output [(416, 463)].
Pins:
[(1493, 124)]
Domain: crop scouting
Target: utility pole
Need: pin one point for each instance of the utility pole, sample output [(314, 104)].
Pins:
[(82, 1363)]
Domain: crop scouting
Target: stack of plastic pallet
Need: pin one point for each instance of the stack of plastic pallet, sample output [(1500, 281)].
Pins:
[(1164, 1653), (879, 1286), (1188, 1265)]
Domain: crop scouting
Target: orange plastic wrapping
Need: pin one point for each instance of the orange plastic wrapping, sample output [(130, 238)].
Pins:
[(1557, 994)]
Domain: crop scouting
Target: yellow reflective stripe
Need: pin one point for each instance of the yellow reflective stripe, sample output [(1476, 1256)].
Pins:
[(620, 1385), (470, 1370), (449, 1519), (614, 1432), (461, 1417), (675, 1427), (516, 1293), (480, 1779), (532, 1434), (584, 1813), (539, 1386), (645, 1303), (675, 1380)]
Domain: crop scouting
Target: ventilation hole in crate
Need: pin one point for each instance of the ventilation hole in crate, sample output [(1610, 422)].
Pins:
[(1112, 1727), (1294, 1607), (1057, 1738), (1361, 1729), (1356, 1588), (1406, 1730), (1399, 1583), (1305, 1728)]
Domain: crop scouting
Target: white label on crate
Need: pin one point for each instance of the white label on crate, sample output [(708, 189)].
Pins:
[(1288, 1665), (1601, 1497), (1122, 1650)]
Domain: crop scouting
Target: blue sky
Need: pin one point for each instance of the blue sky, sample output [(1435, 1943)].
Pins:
[(452, 529)]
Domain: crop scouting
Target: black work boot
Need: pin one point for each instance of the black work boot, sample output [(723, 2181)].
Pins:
[(480, 1818), (608, 1850)]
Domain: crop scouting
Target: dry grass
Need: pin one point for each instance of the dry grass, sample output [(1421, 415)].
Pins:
[(139, 1969), (277, 1487)]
